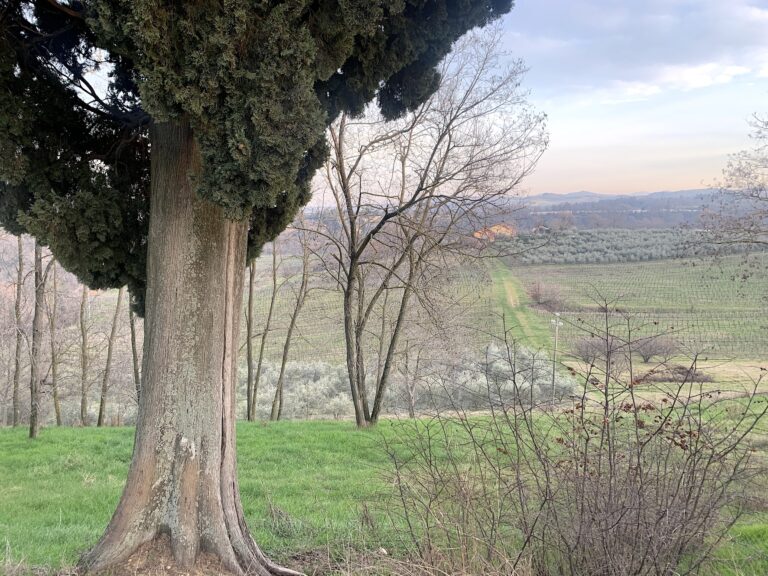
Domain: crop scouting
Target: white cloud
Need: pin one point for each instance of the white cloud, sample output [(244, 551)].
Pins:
[(634, 91), (673, 78), (755, 13), (700, 76), (629, 47)]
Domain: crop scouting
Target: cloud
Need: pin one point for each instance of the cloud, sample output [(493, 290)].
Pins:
[(637, 49), (638, 89), (641, 95), (701, 75), (681, 78)]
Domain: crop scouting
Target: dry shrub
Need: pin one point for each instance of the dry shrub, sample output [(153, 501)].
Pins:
[(660, 346), (676, 373), (611, 485), (546, 296)]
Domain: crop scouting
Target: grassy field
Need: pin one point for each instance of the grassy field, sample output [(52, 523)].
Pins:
[(305, 485), (512, 301), (719, 310)]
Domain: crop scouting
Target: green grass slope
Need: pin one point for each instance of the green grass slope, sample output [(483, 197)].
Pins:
[(305, 486), (720, 309)]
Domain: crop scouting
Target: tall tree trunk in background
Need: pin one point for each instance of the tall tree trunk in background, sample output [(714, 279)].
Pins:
[(383, 378), (108, 367), (17, 361), (249, 342), (54, 350), (351, 349), (38, 323), (382, 336), (410, 381), (134, 354), (301, 296), (84, 357), (8, 416), (265, 333), (182, 495)]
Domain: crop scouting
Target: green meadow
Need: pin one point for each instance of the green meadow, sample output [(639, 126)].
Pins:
[(307, 487)]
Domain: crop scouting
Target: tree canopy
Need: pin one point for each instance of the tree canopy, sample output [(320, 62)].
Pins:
[(257, 82)]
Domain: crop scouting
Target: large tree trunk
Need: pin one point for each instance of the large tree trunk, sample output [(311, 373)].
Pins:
[(182, 498), (35, 373), (84, 357), (17, 361), (108, 367)]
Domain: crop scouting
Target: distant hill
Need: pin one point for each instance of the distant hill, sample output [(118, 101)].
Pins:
[(583, 196), (589, 210), (549, 198)]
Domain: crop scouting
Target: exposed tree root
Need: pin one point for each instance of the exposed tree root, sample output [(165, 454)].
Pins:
[(156, 559)]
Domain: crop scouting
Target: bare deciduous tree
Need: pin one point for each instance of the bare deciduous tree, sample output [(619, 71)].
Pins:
[(255, 377), (134, 355), (52, 310), (36, 375), (740, 215), (84, 384), (108, 366), (249, 340), (302, 291), (408, 193), (662, 347), (19, 333)]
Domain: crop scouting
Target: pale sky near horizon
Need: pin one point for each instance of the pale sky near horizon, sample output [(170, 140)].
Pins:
[(641, 96)]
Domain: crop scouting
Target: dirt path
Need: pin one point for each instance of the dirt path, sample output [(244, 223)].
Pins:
[(512, 298)]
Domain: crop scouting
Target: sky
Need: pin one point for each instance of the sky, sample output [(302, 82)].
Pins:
[(641, 95)]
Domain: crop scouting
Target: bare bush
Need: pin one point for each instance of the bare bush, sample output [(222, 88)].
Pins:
[(546, 296), (675, 373), (661, 347), (615, 484), (607, 353)]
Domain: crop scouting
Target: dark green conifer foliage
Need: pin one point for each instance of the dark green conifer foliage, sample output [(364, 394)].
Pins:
[(257, 80)]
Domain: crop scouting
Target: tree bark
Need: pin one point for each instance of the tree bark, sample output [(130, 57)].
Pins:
[(383, 377), (391, 349), (134, 354), (54, 351), (35, 380), (108, 367), (17, 361), (351, 349), (182, 494), (84, 357)]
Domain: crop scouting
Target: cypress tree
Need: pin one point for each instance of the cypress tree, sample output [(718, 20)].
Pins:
[(159, 145)]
